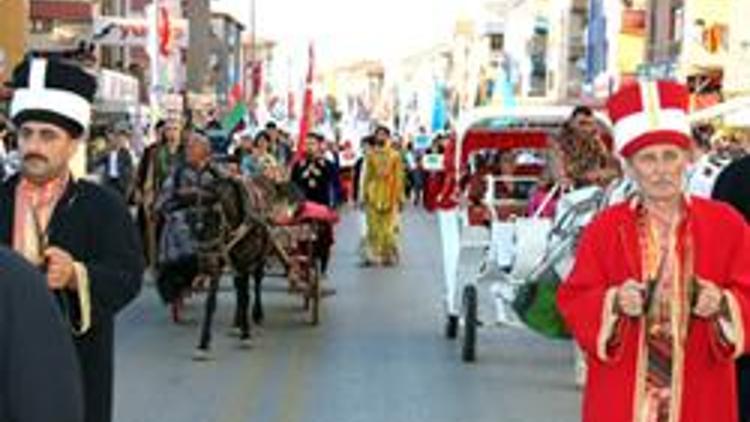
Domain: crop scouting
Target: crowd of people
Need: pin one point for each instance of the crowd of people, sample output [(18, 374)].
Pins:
[(140, 206), (665, 310)]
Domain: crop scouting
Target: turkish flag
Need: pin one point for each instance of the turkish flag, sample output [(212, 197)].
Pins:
[(307, 108), (235, 95)]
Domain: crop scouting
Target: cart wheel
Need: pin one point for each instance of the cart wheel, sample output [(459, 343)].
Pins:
[(306, 300), (312, 298), (315, 296), (307, 285), (468, 353), (451, 327)]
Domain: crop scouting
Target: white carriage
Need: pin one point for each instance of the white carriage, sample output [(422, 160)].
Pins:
[(505, 243)]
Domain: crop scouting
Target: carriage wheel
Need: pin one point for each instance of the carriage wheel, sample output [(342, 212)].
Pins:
[(308, 288), (468, 352), (451, 327)]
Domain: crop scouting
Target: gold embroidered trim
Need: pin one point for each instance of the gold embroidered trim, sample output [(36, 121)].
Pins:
[(84, 299), (652, 104)]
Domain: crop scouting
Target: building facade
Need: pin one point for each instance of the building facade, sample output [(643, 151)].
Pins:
[(198, 13), (57, 25), (226, 62), (14, 33)]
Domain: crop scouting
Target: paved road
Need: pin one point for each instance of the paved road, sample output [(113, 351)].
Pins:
[(378, 356)]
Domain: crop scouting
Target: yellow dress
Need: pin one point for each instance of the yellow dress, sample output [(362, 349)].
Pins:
[(383, 189)]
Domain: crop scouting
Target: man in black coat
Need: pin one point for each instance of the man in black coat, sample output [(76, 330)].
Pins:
[(117, 164), (733, 187), (39, 375), (314, 177), (78, 233)]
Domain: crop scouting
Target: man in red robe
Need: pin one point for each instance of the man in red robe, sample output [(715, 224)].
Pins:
[(659, 297)]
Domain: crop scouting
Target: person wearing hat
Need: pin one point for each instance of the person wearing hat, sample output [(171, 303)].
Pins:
[(158, 161), (47, 216), (659, 296), (178, 249)]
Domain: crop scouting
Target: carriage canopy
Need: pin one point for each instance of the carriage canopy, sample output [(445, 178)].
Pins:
[(503, 129)]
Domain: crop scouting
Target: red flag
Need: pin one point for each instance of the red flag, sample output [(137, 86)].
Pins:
[(165, 32), (235, 95), (307, 108), (257, 79)]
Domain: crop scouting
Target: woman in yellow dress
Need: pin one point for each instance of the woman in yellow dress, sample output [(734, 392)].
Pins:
[(384, 196)]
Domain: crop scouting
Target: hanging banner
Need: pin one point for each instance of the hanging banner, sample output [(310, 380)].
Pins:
[(130, 32), (422, 142)]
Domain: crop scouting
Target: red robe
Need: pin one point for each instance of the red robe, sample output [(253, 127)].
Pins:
[(608, 255), (433, 187), (449, 189)]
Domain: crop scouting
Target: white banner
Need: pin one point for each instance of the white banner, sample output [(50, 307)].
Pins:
[(433, 162), (119, 31)]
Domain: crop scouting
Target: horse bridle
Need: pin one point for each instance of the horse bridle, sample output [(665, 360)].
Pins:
[(227, 239)]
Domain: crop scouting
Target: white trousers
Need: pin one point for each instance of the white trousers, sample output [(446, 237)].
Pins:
[(449, 224)]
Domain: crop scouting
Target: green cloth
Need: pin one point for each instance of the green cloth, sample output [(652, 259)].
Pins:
[(536, 305)]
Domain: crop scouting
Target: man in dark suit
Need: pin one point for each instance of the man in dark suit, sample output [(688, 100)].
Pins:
[(39, 374), (78, 233), (733, 187), (118, 162), (314, 177)]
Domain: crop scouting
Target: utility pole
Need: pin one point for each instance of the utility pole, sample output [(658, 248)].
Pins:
[(251, 64)]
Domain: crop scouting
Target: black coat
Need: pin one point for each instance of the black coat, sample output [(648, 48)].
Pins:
[(733, 186), (317, 187), (39, 374), (93, 225), (125, 171)]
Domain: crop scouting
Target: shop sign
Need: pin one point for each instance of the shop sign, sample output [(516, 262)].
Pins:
[(131, 32)]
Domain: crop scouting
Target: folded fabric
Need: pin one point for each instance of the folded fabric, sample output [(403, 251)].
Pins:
[(317, 212)]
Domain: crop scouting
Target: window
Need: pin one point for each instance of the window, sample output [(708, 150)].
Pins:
[(497, 42), (538, 55), (232, 37), (218, 28), (677, 24), (41, 26)]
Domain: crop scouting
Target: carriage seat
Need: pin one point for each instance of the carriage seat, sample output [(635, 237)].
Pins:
[(309, 212), (528, 170), (505, 209)]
